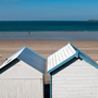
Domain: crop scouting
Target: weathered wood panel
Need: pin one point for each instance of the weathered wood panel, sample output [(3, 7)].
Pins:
[(79, 80), (21, 88)]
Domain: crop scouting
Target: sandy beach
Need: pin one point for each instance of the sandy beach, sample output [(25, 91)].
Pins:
[(45, 48)]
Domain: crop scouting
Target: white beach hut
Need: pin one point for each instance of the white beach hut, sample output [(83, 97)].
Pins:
[(73, 74), (21, 75)]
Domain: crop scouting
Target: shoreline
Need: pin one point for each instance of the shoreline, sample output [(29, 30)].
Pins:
[(49, 31), (48, 35)]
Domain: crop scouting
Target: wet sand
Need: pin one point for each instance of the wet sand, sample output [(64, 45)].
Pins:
[(53, 35), (45, 48)]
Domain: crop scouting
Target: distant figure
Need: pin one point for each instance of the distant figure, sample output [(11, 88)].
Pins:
[(29, 33)]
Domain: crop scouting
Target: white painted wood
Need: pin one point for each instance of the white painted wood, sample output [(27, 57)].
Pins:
[(21, 88), (21, 70), (21, 81), (78, 80), (60, 56)]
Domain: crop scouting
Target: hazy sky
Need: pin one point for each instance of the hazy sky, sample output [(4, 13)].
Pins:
[(48, 9)]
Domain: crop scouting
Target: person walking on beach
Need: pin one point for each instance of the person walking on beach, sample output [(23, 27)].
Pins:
[(29, 33)]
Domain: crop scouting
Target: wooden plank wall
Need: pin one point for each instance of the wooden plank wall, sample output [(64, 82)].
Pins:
[(21, 81), (78, 80), (21, 88)]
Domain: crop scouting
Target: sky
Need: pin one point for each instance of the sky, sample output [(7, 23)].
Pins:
[(74, 10)]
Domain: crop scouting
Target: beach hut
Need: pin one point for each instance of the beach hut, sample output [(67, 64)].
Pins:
[(21, 75), (73, 74)]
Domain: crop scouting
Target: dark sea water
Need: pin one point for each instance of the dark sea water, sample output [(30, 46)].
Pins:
[(49, 30), (48, 26)]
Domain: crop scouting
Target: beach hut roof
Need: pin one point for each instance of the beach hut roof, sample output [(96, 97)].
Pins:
[(64, 55), (28, 56)]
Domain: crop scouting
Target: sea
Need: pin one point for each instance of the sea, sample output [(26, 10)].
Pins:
[(49, 30)]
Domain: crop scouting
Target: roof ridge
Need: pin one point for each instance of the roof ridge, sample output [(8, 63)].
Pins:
[(78, 54), (29, 57), (10, 59), (18, 52), (84, 58)]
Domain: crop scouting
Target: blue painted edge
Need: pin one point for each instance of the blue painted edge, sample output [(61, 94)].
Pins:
[(93, 64), (77, 55), (59, 65), (84, 58), (50, 85), (12, 56), (16, 53), (69, 42), (35, 53), (29, 49)]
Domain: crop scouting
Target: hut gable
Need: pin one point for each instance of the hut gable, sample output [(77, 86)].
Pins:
[(20, 70), (73, 74), (27, 56), (66, 54)]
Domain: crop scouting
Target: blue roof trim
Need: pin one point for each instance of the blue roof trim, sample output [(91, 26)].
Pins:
[(16, 52), (50, 86), (23, 49), (20, 56), (80, 53), (69, 42), (36, 53), (77, 54), (59, 65), (92, 63)]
